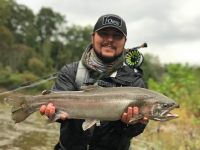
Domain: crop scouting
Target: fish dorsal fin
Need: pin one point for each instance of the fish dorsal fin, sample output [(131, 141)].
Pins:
[(90, 88), (89, 123), (45, 92)]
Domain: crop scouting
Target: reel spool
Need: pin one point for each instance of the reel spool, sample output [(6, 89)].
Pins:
[(133, 58)]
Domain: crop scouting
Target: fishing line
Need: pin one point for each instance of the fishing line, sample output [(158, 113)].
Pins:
[(32, 83)]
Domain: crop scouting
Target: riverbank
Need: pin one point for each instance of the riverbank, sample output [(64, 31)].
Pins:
[(179, 134)]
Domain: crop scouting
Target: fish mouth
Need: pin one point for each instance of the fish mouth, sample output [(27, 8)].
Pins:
[(167, 115)]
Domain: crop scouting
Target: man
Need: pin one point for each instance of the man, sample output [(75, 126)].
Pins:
[(101, 63)]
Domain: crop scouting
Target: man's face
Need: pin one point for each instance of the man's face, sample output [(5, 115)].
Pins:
[(108, 43)]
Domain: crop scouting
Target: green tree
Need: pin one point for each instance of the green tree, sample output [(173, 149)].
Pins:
[(77, 39), (5, 11), (180, 83), (48, 24), (36, 66), (59, 54), (74, 40), (177, 81), (21, 23), (19, 55), (6, 42), (152, 68)]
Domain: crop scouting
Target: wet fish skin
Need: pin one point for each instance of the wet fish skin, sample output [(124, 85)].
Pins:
[(97, 103)]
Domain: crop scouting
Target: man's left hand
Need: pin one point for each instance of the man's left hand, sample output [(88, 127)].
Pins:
[(131, 112)]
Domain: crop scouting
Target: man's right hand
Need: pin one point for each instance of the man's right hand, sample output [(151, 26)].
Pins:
[(50, 110)]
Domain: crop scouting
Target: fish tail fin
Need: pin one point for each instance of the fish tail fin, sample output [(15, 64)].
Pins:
[(20, 109)]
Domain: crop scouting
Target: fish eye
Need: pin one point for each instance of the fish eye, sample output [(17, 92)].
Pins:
[(165, 105)]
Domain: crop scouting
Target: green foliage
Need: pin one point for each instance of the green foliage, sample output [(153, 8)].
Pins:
[(179, 83), (176, 82), (21, 23), (152, 67), (12, 79), (36, 45), (77, 39), (6, 40), (16, 56), (5, 10), (48, 22), (6, 36), (36, 66), (59, 54)]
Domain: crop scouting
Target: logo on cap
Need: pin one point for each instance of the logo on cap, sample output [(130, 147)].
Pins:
[(111, 20)]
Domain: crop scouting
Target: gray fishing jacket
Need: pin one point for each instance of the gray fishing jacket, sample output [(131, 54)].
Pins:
[(114, 135)]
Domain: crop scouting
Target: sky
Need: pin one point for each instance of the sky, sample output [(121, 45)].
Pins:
[(171, 28)]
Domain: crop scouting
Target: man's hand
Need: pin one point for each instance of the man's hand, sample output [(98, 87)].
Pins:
[(50, 111), (131, 112)]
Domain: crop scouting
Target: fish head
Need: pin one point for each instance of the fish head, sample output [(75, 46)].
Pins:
[(160, 111), (157, 106)]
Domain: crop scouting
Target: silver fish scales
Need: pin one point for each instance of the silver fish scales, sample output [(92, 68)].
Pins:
[(96, 104)]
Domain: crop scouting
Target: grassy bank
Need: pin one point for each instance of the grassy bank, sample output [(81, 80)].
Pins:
[(179, 134)]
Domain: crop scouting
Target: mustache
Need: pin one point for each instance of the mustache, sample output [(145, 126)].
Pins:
[(109, 45)]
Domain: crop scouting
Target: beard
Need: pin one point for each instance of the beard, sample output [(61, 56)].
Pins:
[(106, 59)]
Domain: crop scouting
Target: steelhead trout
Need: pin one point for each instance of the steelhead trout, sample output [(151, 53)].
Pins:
[(96, 104)]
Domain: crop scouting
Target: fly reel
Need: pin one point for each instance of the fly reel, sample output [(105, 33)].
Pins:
[(133, 58)]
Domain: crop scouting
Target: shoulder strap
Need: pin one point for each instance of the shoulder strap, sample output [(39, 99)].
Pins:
[(81, 75)]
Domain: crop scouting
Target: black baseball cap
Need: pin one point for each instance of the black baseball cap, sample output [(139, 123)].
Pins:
[(111, 20)]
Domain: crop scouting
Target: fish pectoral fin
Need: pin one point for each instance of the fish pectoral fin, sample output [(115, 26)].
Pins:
[(53, 118), (89, 123), (135, 119), (57, 116)]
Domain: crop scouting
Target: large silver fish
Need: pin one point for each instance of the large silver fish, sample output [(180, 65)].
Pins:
[(96, 104)]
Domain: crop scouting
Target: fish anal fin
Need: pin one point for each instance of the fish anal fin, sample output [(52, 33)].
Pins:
[(89, 123)]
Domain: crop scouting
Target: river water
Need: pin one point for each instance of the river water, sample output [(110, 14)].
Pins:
[(32, 134)]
